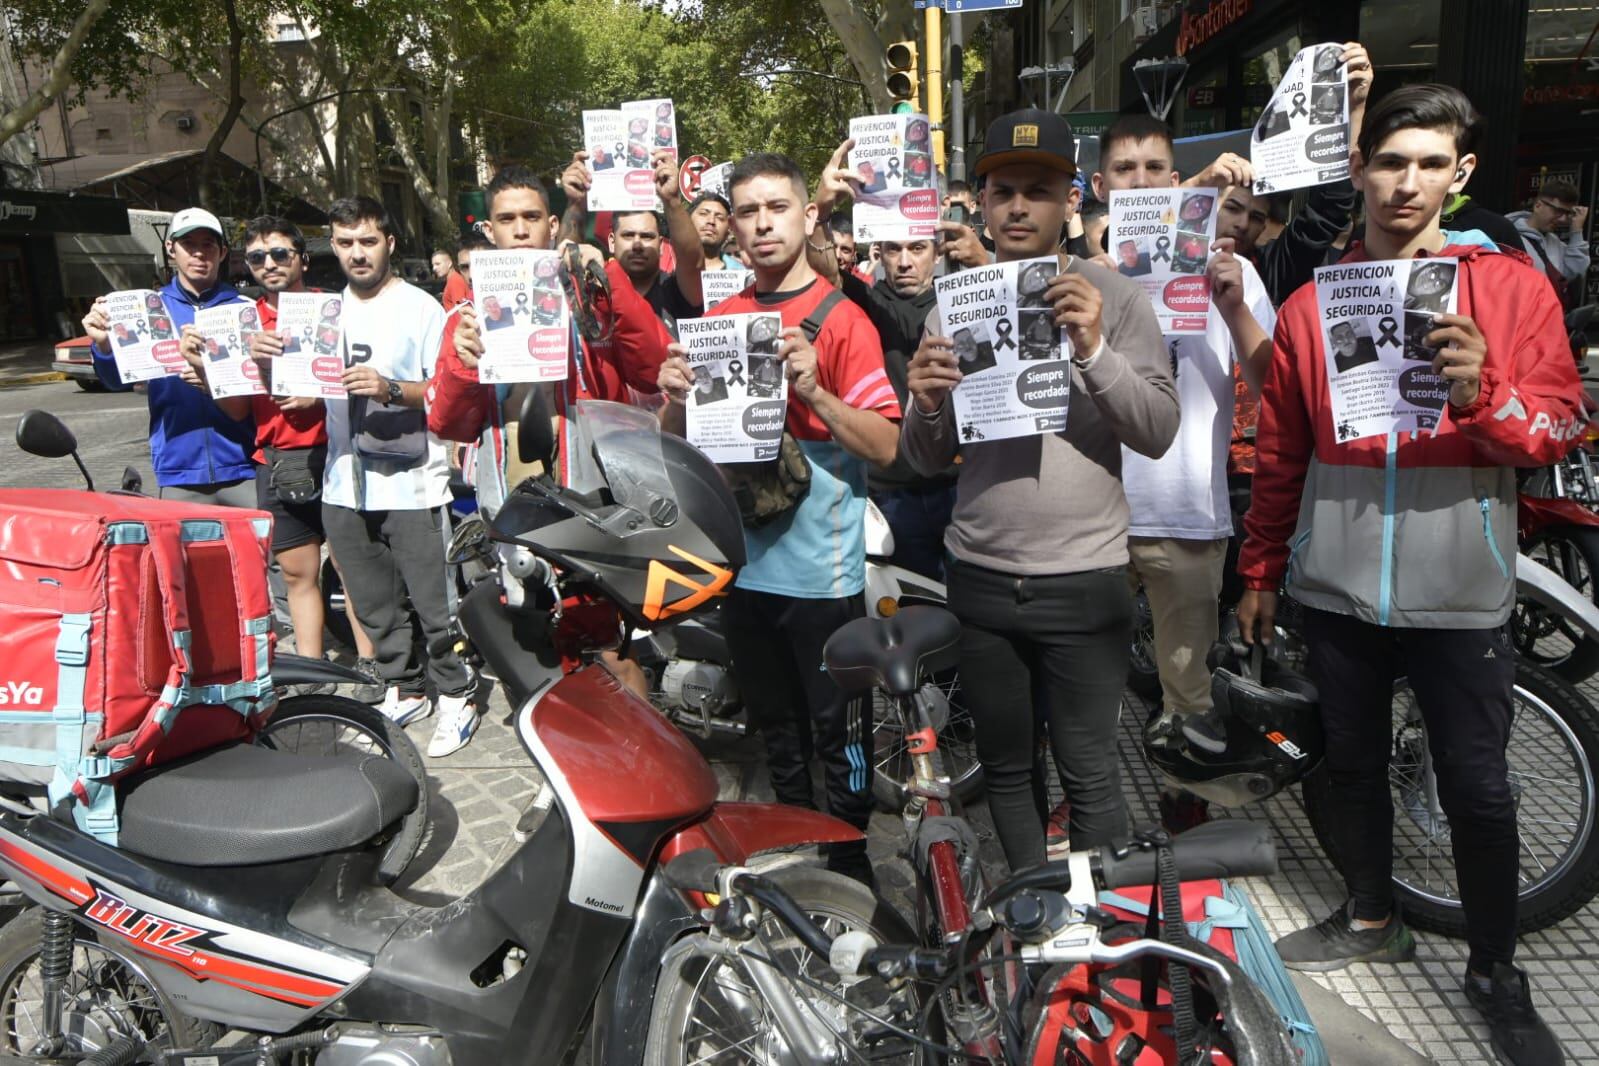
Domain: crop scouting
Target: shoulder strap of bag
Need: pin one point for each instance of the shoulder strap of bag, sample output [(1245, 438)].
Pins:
[(812, 326)]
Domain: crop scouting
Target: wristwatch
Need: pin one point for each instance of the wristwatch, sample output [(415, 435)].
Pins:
[(396, 394)]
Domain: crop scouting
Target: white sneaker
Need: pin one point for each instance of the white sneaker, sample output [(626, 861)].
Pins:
[(458, 720), (403, 710)]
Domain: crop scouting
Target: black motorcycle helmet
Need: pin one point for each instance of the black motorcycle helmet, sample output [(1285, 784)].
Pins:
[(1273, 723), (645, 517)]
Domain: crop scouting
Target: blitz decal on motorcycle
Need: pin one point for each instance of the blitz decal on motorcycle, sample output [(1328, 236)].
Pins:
[(661, 576), (1375, 319), (1016, 380), (1302, 138), (229, 370), (1161, 239), (522, 316), (893, 159), (739, 401), (312, 363), (620, 144), (143, 340)]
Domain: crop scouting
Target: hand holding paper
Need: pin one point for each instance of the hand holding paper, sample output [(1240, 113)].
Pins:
[(676, 377), (1461, 353), (934, 372), (1077, 305), (1226, 276), (799, 363), (468, 344), (837, 181)]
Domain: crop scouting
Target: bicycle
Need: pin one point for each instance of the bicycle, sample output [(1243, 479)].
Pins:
[(792, 982)]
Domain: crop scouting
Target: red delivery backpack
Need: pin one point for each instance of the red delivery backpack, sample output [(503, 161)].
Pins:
[(1115, 1016), (133, 632)]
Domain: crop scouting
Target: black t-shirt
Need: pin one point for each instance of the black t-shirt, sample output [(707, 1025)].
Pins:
[(899, 321), (669, 302)]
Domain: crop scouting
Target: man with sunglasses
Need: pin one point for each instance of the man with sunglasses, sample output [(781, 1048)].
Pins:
[(1554, 233), (200, 452)]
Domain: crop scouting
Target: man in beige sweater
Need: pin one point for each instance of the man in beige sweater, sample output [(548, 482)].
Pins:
[(1038, 546)]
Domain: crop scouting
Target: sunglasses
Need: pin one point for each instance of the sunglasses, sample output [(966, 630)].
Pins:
[(465, 268), (279, 256)]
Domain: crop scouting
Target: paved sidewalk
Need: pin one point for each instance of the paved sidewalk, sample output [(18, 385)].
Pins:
[(1371, 1016), (27, 363)]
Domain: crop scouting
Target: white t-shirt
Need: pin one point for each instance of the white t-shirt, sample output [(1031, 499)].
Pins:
[(1183, 494), (397, 333)]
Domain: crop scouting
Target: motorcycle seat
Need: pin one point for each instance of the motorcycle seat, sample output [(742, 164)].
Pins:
[(892, 653), (244, 805)]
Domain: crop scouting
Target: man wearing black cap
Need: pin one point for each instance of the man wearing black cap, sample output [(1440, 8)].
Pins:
[(1037, 550)]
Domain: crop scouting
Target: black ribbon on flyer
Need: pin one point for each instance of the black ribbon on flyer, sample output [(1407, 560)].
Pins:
[(1299, 106), (1162, 249), (735, 372), (1388, 332), (1002, 335)]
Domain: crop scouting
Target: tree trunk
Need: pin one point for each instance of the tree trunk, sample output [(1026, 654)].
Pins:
[(433, 200), (864, 42), (219, 136), (57, 76)]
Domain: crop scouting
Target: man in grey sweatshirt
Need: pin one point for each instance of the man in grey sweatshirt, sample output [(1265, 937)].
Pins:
[(1038, 545), (1555, 234)]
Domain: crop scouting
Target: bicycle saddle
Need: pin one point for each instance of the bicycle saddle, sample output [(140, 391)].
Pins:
[(892, 653)]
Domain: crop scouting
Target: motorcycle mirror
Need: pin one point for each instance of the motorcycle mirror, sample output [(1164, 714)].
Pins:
[(43, 434), (132, 480), (535, 436)]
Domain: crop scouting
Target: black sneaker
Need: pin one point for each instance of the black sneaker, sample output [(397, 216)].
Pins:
[(1520, 1037), (376, 690), (1335, 942), (1206, 731)]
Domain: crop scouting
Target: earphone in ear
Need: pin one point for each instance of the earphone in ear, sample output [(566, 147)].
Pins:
[(1460, 174)]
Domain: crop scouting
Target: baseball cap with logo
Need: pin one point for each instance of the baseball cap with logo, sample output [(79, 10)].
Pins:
[(195, 218), (1030, 135)]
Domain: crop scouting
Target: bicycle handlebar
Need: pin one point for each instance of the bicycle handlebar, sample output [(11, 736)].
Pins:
[(1213, 850)]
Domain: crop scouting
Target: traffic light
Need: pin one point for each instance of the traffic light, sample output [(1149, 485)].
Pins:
[(903, 76)]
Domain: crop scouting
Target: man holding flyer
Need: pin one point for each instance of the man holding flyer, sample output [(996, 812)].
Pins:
[(1038, 546), (807, 564), (1401, 547)]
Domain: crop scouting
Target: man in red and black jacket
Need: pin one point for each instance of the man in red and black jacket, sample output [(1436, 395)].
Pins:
[(622, 368), (1402, 550)]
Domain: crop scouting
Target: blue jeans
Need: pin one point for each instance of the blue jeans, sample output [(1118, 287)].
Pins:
[(918, 518)]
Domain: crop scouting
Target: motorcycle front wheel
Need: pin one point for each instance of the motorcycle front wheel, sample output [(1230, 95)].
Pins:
[(708, 1010), (108, 997), (1553, 754), (1547, 637)]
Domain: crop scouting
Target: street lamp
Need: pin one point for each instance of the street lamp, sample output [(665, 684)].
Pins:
[(1055, 74), (260, 176), (1159, 80)]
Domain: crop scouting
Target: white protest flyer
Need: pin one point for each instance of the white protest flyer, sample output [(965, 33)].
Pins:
[(620, 143), (229, 370), (718, 285), (143, 340), (1302, 138), (1161, 239), (739, 401), (1015, 361), (522, 318), (1375, 318), (714, 181), (893, 157), (312, 363)]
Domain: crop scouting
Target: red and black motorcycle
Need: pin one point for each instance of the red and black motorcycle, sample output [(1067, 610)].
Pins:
[(242, 894)]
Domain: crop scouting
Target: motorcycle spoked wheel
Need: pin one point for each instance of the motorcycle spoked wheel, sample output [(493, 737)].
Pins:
[(339, 726), (707, 1010), (109, 997), (1088, 1015), (1553, 754), (1544, 636)]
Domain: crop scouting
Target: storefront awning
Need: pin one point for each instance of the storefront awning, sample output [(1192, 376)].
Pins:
[(27, 211)]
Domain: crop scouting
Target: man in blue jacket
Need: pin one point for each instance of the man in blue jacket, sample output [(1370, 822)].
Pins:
[(199, 453)]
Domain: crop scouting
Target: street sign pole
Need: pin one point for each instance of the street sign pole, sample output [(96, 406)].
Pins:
[(933, 53), (957, 101)]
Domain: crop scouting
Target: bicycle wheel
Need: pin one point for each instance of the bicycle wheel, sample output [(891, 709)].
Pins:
[(108, 997), (1553, 755), (338, 725), (957, 740), (1143, 673), (708, 1009), (1547, 637)]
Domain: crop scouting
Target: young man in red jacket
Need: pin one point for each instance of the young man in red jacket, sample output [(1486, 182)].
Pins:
[(622, 368), (1402, 551)]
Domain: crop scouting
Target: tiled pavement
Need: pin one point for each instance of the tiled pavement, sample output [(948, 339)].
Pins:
[(480, 790)]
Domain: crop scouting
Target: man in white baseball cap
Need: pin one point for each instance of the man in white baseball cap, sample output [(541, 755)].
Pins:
[(199, 452)]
